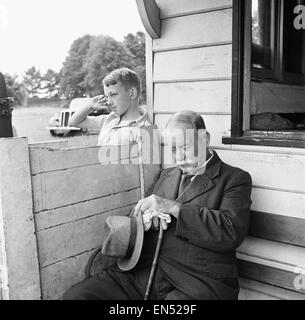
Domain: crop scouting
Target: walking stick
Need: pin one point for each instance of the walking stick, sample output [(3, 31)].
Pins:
[(155, 261), (160, 237)]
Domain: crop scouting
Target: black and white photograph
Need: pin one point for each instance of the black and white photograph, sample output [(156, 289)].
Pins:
[(152, 150)]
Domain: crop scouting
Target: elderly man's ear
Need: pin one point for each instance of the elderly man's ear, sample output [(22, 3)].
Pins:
[(205, 137)]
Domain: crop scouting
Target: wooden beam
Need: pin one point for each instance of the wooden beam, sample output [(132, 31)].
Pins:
[(179, 8), (149, 77), (19, 262), (253, 290), (272, 276), (237, 68), (277, 228), (272, 254), (150, 16)]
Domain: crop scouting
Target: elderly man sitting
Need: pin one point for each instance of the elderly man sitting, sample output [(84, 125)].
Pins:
[(207, 202)]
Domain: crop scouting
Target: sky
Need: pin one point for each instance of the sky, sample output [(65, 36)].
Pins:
[(40, 32)]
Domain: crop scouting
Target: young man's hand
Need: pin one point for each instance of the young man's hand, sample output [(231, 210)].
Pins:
[(99, 103), (96, 104)]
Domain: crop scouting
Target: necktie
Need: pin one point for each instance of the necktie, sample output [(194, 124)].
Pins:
[(184, 182)]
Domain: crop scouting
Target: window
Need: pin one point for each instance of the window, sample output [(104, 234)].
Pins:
[(268, 81), (277, 48)]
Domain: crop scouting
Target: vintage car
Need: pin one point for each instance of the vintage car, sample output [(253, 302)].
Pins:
[(59, 124)]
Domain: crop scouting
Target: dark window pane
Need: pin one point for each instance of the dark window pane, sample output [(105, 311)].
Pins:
[(294, 53), (261, 34)]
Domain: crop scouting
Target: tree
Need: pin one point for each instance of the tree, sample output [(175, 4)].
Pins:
[(105, 55), (136, 46), (32, 81), (91, 58), (51, 81), (15, 89), (73, 73)]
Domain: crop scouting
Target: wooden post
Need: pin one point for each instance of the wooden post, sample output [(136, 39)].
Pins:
[(19, 278), (150, 16)]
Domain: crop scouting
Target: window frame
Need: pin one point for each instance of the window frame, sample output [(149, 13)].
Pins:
[(241, 66)]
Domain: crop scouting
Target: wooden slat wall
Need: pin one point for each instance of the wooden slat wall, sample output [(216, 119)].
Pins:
[(59, 277), (174, 32), (204, 97), (192, 71), (278, 214), (282, 172), (218, 124), (192, 65), (271, 262), (74, 192), (172, 8), (199, 64)]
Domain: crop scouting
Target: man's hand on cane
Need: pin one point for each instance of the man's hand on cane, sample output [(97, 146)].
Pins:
[(156, 210)]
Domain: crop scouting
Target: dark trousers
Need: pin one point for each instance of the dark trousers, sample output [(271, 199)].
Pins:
[(116, 285)]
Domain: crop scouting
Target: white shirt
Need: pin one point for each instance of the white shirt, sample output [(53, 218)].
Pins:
[(201, 168), (113, 131)]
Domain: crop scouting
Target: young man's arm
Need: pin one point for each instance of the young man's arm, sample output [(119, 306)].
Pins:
[(95, 104)]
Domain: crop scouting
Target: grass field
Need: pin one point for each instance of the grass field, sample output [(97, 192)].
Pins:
[(31, 122)]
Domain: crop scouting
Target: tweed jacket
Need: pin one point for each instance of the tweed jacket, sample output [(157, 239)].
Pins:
[(212, 222)]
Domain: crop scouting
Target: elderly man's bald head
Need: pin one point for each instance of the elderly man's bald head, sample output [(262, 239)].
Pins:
[(186, 136), (187, 119)]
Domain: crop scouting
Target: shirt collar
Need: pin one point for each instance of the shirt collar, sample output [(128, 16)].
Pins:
[(140, 121), (201, 168)]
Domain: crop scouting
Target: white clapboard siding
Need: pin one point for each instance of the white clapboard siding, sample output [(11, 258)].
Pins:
[(60, 188), (71, 239), (57, 278), (206, 96), (272, 254), (279, 202), (197, 33), (218, 125), (78, 211), (191, 64), (253, 290), (271, 171), (171, 8)]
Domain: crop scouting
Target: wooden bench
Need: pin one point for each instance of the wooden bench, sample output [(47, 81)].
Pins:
[(272, 257), (55, 198)]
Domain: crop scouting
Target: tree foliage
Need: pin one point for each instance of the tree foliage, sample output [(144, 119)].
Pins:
[(105, 55), (15, 89), (32, 81), (38, 85), (50, 83), (91, 58), (136, 46), (73, 73)]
